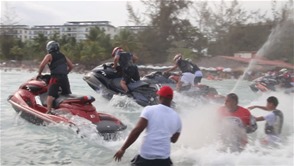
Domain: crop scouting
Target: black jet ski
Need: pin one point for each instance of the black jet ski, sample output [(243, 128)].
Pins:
[(158, 77), (263, 84), (105, 79), (271, 83)]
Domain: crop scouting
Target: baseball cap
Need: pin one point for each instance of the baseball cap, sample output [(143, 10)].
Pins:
[(166, 92)]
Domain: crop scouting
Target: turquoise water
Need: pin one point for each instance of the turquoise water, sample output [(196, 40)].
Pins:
[(23, 143)]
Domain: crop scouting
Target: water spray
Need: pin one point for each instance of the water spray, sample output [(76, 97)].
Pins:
[(273, 38)]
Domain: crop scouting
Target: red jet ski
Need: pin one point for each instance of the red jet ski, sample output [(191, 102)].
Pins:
[(30, 100)]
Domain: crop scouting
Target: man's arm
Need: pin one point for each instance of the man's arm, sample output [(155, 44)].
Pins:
[(171, 69), (69, 64), (261, 118), (135, 58), (141, 125), (45, 61), (116, 59), (260, 107), (175, 137)]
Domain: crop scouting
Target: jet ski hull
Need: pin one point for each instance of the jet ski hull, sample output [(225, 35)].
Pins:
[(30, 102), (106, 80)]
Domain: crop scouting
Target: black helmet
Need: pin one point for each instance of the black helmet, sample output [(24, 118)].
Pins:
[(52, 46)]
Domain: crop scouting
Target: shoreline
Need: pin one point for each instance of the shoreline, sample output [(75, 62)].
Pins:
[(32, 66)]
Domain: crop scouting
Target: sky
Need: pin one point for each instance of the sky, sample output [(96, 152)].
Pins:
[(59, 12)]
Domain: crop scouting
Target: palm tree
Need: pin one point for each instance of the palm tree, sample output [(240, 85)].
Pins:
[(40, 43), (126, 40)]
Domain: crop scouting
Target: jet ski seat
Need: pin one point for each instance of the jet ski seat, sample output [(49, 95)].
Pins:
[(71, 98)]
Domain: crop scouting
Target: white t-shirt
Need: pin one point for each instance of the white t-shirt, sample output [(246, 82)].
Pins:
[(163, 122), (270, 118)]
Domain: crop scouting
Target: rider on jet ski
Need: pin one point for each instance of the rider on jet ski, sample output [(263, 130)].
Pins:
[(187, 68), (59, 66), (126, 62)]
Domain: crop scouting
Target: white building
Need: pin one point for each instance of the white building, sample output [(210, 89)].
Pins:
[(14, 30), (80, 29), (24, 32), (77, 29), (134, 29), (245, 54), (47, 30)]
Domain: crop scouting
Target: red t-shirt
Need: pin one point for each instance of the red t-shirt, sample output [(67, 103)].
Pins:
[(241, 113)]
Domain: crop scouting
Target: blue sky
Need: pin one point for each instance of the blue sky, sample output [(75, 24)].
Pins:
[(59, 12)]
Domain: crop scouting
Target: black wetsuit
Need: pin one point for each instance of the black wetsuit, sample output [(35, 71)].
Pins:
[(59, 79), (186, 66), (129, 69)]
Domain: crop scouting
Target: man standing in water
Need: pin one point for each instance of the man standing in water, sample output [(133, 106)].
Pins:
[(237, 121), (274, 120), (163, 125), (59, 66)]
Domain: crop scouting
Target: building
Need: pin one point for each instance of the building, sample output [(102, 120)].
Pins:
[(80, 29), (13, 30), (24, 32), (134, 29), (77, 29), (245, 54)]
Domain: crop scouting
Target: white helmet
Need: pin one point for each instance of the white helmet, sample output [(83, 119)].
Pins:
[(177, 57), (52, 46)]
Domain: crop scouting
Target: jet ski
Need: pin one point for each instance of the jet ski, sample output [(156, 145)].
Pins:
[(263, 84), (203, 92), (105, 79), (158, 77), (271, 83), (30, 101)]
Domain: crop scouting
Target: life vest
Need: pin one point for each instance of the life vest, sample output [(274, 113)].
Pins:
[(58, 64), (185, 66), (125, 60), (276, 128)]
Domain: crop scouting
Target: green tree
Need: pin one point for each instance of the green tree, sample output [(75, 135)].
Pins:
[(164, 19), (91, 53), (126, 40), (39, 44), (102, 39), (9, 20)]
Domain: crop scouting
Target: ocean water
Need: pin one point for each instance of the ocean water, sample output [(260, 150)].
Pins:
[(23, 143)]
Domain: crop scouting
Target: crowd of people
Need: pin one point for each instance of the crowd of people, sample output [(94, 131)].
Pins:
[(161, 122)]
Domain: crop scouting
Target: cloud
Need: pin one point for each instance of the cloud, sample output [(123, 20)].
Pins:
[(59, 12)]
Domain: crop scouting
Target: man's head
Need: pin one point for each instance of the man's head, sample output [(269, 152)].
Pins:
[(52, 46), (231, 101), (272, 103), (165, 94)]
